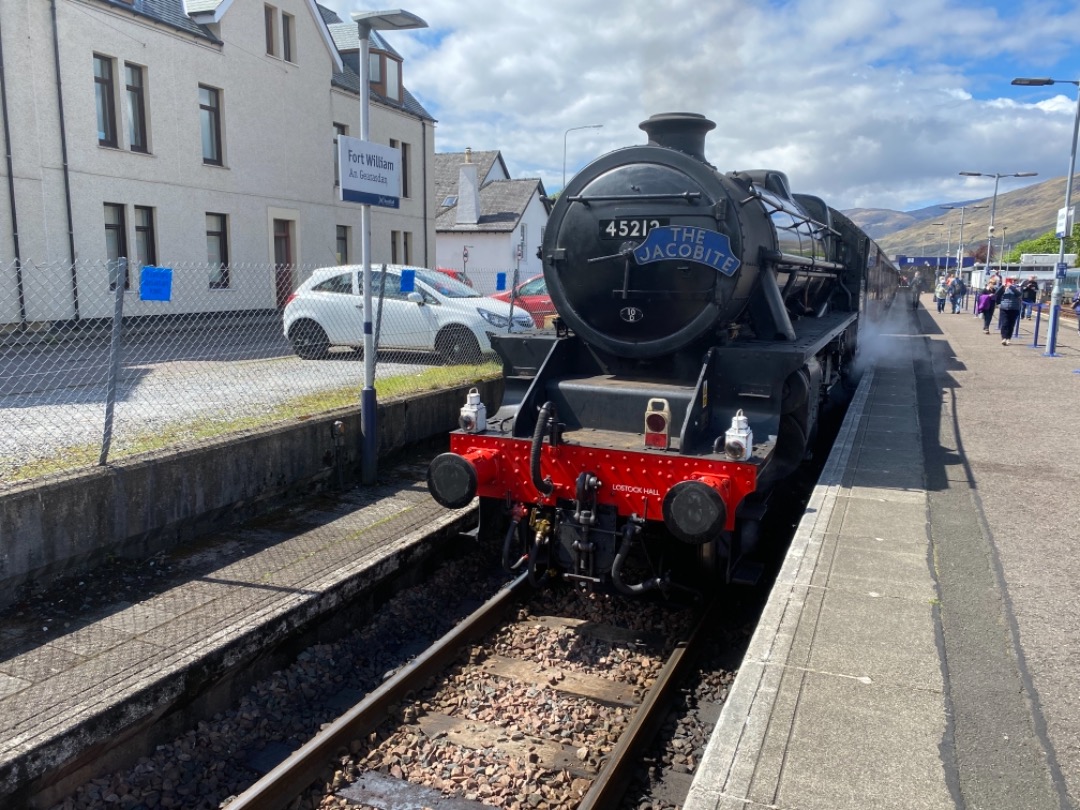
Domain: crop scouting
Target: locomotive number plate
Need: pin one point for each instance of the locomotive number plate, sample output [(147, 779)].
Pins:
[(630, 227)]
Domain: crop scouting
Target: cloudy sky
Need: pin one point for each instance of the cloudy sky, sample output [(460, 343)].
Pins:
[(867, 103)]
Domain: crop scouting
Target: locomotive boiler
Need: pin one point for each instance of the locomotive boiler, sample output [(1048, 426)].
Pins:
[(704, 318)]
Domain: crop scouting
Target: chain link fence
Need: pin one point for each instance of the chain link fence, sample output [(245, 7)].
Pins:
[(100, 360)]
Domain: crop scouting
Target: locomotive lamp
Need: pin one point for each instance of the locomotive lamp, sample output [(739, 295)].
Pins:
[(658, 424), (1066, 231)]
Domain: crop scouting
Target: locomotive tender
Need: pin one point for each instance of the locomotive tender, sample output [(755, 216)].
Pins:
[(704, 319)]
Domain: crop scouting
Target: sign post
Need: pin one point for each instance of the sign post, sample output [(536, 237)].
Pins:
[(373, 177)]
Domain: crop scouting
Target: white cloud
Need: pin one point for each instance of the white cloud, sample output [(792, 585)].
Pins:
[(865, 104)]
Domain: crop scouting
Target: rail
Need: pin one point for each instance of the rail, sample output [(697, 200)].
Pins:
[(296, 774)]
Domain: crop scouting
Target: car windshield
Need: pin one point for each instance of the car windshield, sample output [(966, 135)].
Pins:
[(445, 285)]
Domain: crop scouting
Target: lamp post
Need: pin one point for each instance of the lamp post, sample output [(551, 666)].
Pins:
[(366, 22), (960, 238), (1001, 251), (993, 204), (1066, 231), (937, 256), (583, 126)]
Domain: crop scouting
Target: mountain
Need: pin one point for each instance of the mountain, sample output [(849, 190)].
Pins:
[(1023, 213)]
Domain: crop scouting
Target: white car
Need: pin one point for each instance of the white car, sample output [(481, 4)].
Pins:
[(439, 314)]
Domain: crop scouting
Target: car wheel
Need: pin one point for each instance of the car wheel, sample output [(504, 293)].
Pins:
[(457, 346), (309, 341)]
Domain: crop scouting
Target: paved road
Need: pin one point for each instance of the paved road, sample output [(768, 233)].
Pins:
[(53, 395)]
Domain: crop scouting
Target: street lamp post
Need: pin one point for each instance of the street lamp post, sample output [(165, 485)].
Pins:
[(937, 256), (1059, 274), (1001, 251), (583, 126), (960, 238), (366, 22), (993, 204)]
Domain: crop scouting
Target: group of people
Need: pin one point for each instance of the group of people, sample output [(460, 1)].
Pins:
[(950, 289)]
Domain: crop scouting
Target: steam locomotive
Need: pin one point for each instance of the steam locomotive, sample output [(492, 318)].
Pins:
[(704, 319)]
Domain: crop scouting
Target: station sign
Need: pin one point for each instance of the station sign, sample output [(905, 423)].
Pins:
[(369, 173), (1060, 269), (1065, 217)]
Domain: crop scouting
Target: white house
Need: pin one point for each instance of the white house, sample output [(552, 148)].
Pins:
[(487, 224), (196, 134)]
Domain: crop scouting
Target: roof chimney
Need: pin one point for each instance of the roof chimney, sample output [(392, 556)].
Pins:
[(468, 202)]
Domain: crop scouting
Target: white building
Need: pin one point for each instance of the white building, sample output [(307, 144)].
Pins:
[(497, 222), (191, 132)]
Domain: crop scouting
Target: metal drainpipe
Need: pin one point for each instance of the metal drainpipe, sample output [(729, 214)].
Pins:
[(64, 156), (11, 186), (427, 241)]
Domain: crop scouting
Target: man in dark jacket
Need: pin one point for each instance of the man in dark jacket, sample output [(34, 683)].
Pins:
[(1029, 294), (1008, 301), (957, 288)]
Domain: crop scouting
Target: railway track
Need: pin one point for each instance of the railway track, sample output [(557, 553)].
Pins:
[(522, 705)]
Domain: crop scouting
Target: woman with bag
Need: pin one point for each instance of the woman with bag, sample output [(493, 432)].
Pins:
[(1008, 300), (985, 306)]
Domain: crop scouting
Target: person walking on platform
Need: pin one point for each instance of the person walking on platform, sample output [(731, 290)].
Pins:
[(987, 303), (916, 289), (941, 293), (1008, 300), (1076, 310), (1029, 294), (957, 288)]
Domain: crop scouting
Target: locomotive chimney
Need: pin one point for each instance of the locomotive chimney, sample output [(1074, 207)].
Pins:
[(682, 131)]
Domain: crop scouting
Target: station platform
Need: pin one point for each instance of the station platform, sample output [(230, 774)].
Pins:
[(919, 647), (74, 679)]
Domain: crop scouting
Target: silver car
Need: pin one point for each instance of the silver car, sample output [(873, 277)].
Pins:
[(438, 314)]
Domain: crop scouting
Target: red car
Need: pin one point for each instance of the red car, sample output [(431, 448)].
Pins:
[(457, 275), (532, 296)]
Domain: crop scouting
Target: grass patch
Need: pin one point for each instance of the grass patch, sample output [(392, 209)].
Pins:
[(193, 431)]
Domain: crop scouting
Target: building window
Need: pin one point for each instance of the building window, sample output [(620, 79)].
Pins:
[(106, 100), (339, 129), (145, 241), (374, 68), (217, 251), (115, 240), (287, 29), (210, 124), (393, 83), (406, 247), (343, 244), (395, 240), (136, 108), (404, 149), (270, 22)]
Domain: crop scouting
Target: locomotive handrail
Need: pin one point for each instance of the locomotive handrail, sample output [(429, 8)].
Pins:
[(795, 213), (689, 196), (779, 257)]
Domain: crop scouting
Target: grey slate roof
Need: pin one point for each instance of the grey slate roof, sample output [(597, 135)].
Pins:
[(347, 38), (328, 14), (446, 169), (350, 80), (502, 203), (170, 12)]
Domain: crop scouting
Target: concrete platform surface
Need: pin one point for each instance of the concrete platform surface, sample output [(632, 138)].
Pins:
[(919, 647), (66, 691)]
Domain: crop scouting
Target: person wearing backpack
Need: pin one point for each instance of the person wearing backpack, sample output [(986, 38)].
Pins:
[(941, 294), (956, 294)]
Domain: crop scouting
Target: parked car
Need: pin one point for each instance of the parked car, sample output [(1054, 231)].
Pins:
[(532, 296), (440, 314), (457, 275)]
